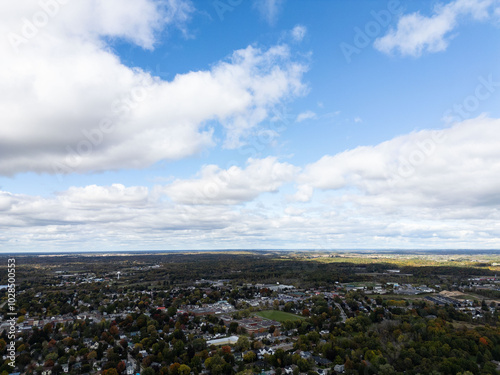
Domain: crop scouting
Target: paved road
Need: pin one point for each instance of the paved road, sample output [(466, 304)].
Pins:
[(342, 312)]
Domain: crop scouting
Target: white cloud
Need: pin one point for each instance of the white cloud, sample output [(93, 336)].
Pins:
[(455, 167), (100, 217), (116, 194), (416, 33), (136, 21), (298, 33), (426, 189), (303, 194), (233, 185), (268, 9), (70, 105), (306, 116), (185, 210)]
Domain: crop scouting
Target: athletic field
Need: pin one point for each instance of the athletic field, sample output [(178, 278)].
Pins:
[(279, 316)]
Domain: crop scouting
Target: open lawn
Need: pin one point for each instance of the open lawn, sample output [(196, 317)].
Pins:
[(469, 297), (279, 316), (398, 297), (458, 325)]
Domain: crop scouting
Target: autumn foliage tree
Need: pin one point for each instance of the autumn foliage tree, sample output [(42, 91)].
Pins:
[(121, 367), (113, 330)]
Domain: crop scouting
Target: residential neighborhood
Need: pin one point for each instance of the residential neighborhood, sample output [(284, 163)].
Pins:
[(96, 321)]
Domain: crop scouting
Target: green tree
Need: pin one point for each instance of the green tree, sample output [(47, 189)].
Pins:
[(233, 327), (304, 365), (184, 370), (249, 357), (242, 344), (386, 369)]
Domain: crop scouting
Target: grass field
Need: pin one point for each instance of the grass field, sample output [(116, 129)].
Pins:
[(399, 297), (279, 316), (468, 296)]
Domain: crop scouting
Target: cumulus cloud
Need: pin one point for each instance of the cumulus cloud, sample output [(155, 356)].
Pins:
[(426, 189), (184, 209), (102, 217), (298, 33), (429, 189), (233, 185), (268, 9), (454, 167), (416, 33), (70, 105), (138, 22), (116, 194)]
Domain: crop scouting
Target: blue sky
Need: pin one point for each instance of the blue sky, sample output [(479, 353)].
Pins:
[(181, 124)]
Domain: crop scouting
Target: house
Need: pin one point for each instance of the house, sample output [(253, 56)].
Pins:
[(130, 369), (262, 352), (260, 364), (306, 355), (339, 368), (321, 361), (155, 365)]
